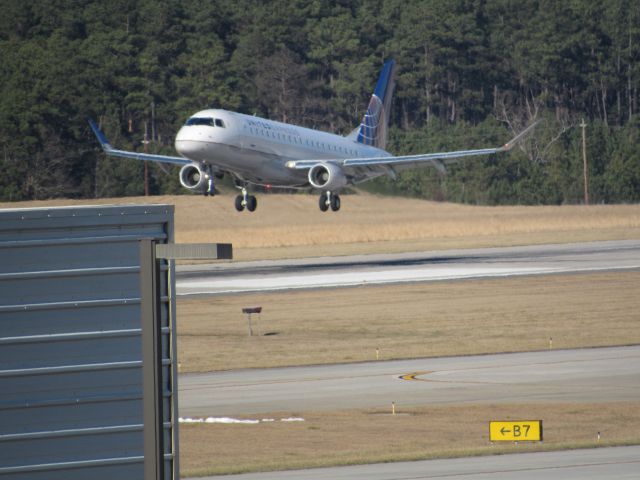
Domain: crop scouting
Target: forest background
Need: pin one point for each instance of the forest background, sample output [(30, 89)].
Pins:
[(471, 72)]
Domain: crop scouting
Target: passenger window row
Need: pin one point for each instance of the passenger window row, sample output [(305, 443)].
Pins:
[(296, 140)]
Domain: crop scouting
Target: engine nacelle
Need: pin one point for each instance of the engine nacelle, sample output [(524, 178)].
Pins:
[(327, 176), (193, 177)]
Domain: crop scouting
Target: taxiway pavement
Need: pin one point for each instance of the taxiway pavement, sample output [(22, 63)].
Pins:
[(581, 375), (274, 275), (619, 463)]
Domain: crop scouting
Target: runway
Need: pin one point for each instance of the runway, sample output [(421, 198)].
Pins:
[(241, 277), (582, 375), (618, 463)]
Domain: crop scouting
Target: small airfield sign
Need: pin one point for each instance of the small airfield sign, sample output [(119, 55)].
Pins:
[(516, 431)]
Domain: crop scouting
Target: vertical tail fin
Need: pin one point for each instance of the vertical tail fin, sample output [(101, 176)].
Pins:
[(374, 126)]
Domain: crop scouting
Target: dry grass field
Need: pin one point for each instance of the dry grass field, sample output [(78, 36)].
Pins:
[(287, 226), (407, 321), (352, 437)]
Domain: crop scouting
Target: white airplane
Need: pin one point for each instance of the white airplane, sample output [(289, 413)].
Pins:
[(256, 151)]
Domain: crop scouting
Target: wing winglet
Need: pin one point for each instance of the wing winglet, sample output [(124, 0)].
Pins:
[(109, 150), (104, 143), (518, 138)]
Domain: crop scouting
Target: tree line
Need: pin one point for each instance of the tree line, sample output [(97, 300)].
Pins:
[(471, 73)]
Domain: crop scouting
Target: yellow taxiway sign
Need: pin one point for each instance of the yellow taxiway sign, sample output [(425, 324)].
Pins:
[(516, 431)]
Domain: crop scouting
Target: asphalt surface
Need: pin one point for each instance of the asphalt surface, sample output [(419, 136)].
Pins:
[(618, 463), (582, 375), (239, 277)]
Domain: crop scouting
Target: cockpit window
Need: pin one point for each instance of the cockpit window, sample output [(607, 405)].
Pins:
[(207, 121), (200, 121)]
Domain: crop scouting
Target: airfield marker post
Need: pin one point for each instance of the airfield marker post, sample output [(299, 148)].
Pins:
[(248, 311)]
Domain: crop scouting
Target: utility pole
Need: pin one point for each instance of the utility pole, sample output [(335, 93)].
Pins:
[(146, 166), (153, 122), (584, 163)]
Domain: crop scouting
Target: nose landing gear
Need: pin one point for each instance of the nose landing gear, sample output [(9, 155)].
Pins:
[(211, 189), (207, 173)]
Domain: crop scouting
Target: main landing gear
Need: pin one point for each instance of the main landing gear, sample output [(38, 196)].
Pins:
[(247, 201), (327, 199)]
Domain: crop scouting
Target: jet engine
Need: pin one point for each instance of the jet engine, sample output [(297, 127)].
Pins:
[(327, 176), (193, 177)]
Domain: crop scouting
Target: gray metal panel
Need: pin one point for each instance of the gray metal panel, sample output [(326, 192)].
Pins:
[(195, 251), (71, 342)]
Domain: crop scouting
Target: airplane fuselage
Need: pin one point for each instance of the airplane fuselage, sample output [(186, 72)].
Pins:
[(256, 150)]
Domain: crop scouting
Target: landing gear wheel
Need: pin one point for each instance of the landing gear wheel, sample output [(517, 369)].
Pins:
[(335, 203), (239, 203), (252, 203), (323, 203)]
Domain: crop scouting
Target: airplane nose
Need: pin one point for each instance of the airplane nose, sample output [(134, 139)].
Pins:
[(187, 146)]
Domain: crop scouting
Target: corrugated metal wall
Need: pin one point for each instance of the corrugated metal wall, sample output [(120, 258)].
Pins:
[(71, 401)]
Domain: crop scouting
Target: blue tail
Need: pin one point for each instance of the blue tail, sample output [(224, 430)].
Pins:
[(374, 126)]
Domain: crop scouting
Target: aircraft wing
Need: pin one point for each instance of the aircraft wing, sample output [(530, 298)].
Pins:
[(436, 160), (112, 152)]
